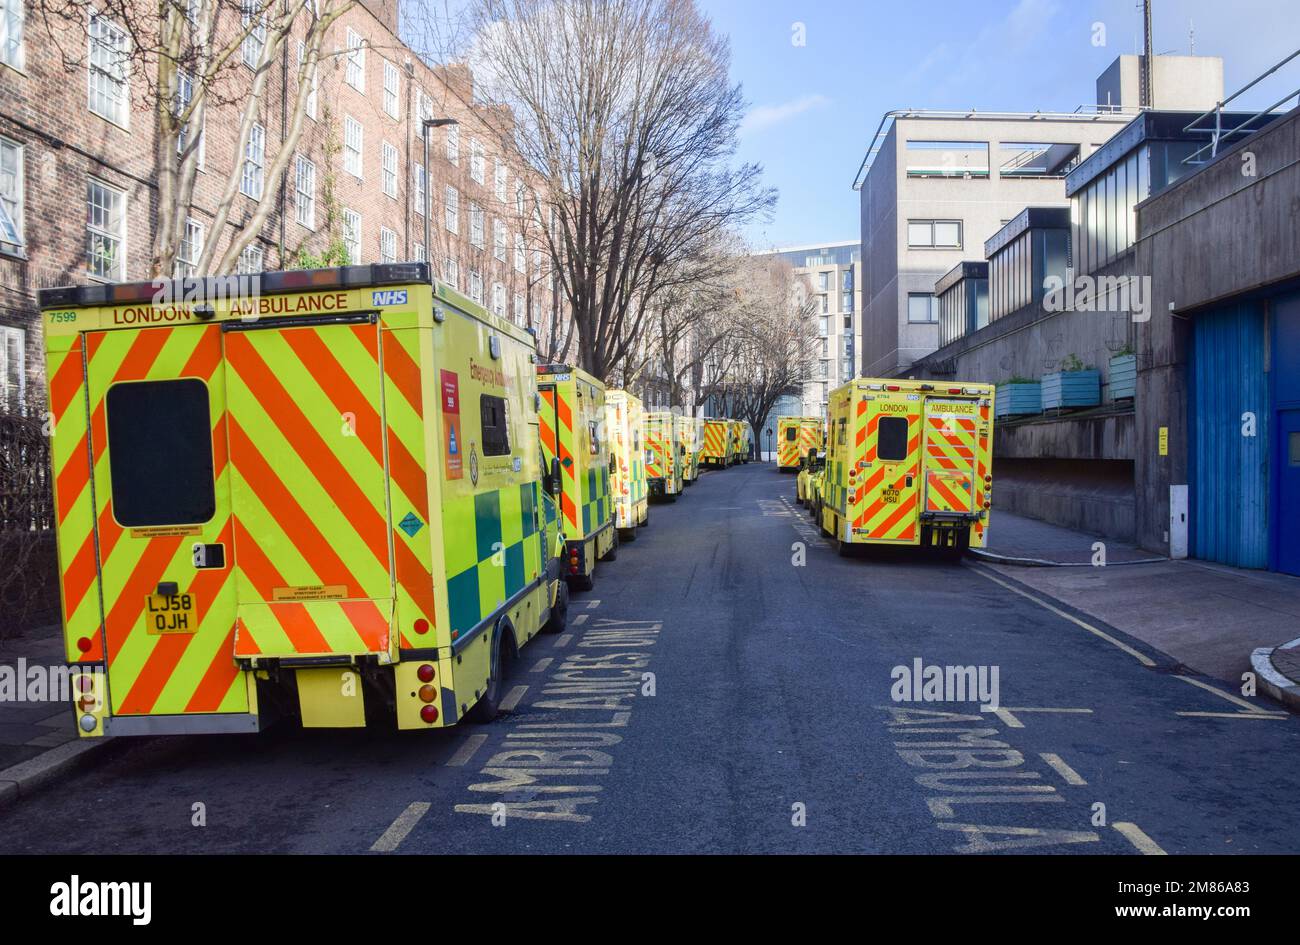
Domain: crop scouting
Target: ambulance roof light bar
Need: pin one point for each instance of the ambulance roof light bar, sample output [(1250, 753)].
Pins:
[(205, 288)]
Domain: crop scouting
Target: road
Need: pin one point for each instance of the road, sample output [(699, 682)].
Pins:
[(767, 725)]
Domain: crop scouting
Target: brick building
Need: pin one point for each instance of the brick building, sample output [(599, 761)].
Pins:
[(79, 199)]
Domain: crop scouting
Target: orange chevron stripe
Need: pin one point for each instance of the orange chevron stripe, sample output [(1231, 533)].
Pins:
[(404, 372), (217, 679), (904, 508), (66, 381), (303, 634)]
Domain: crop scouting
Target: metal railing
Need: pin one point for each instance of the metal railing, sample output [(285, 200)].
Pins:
[(1218, 134)]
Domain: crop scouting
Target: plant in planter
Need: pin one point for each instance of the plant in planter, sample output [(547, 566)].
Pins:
[(1074, 385), (1123, 374), (1017, 396)]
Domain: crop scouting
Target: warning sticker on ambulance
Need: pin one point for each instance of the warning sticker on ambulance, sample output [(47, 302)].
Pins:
[(166, 531), (310, 592)]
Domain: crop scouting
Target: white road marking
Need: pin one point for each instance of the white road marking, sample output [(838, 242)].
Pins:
[(1235, 700), (1141, 658), (1134, 834), (1025, 708), (541, 664), (466, 751), (397, 832), (1008, 719), (580, 619), (1267, 716), (512, 698), (593, 604), (1068, 774), (563, 639)]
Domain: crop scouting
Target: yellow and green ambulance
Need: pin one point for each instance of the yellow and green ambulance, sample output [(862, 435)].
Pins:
[(664, 455), (623, 426), (713, 445), (690, 430), (314, 492)]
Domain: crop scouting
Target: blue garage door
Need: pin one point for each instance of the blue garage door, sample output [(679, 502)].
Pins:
[(1228, 467), (1285, 320)]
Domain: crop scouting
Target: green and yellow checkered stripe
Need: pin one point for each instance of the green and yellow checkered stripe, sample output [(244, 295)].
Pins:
[(492, 564)]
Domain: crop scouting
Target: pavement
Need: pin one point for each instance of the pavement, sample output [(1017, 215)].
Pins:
[(28, 728), (732, 685)]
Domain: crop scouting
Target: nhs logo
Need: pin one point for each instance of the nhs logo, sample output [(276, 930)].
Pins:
[(388, 297)]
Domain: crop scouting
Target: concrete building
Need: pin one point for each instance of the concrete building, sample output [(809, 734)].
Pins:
[(79, 192), (935, 185), (833, 272)]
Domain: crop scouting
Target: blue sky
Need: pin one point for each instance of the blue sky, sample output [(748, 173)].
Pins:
[(813, 107)]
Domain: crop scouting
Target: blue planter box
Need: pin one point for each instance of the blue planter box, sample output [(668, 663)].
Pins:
[(1123, 376), (1071, 389), (1017, 399)]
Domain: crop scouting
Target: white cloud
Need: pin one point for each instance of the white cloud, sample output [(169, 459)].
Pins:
[(767, 116)]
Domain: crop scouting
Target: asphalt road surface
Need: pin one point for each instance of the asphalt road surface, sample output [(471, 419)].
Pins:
[(726, 687)]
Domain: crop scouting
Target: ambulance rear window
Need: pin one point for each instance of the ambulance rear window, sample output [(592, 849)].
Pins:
[(160, 452), (891, 439), (791, 434), (496, 434)]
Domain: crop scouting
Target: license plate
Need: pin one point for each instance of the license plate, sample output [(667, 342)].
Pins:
[(890, 496), (169, 613)]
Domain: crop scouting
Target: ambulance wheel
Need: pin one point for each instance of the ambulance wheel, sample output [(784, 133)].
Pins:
[(843, 548), (612, 553), (670, 497), (581, 582), (488, 706), (559, 618), (645, 521), (627, 534)]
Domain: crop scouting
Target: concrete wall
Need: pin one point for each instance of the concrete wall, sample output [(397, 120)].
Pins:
[(1219, 233), (1179, 83)]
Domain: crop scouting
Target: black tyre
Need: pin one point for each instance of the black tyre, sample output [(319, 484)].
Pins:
[(488, 706), (612, 553), (581, 582), (559, 618), (627, 534)]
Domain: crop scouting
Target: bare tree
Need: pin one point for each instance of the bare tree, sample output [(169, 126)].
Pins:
[(625, 108), (185, 58)]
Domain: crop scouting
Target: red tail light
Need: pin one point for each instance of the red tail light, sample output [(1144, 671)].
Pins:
[(421, 626), (429, 714), (426, 672)]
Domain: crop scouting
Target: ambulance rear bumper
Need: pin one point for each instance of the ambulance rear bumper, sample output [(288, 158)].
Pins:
[(223, 723)]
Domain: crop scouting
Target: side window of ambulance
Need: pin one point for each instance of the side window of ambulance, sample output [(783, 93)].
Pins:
[(496, 425), (791, 434), (891, 439), (160, 452), (591, 431), (844, 432)]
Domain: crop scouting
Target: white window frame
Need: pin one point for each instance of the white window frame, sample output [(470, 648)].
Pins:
[(476, 222), (13, 201), (304, 192), (392, 89), (387, 245), (311, 107), (520, 199), (451, 214), (453, 143), (354, 151), (116, 83), (13, 370), (184, 95), (119, 238), (451, 273), (501, 180), (252, 180), (352, 235), (477, 161), (251, 259), (419, 253), (521, 311), (521, 254), (498, 299), (355, 72), (254, 43), (476, 286), (12, 51), (419, 196), (388, 169), (499, 237), (191, 248)]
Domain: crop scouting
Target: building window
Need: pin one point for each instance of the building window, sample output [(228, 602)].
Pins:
[(304, 187), (452, 213), (418, 199), (13, 371), (388, 169), (519, 198), (191, 248), (420, 255), (251, 260), (355, 74), (352, 235), (521, 313), (108, 60), (105, 231), (823, 326), (476, 161), (387, 245), (846, 301), (476, 225), (934, 234), (453, 144), (498, 299), (521, 258), (11, 196), (353, 143), (392, 88), (1024, 159), (11, 33), (500, 180), (499, 240), (250, 185), (922, 308), (312, 79), (451, 273), (823, 281), (253, 19), (967, 159), (476, 286), (185, 95)]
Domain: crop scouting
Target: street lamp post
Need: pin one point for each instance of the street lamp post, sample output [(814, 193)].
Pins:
[(428, 183)]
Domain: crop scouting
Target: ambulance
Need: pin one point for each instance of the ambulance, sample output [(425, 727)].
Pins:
[(795, 436), (745, 441), (664, 455), (713, 446), (573, 432), (623, 428), (313, 493), (690, 430), (909, 463)]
